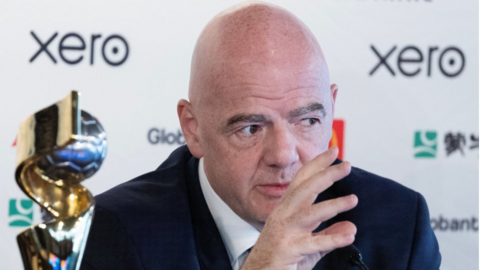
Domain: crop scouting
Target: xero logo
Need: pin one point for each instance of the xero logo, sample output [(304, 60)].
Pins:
[(411, 61), (73, 48)]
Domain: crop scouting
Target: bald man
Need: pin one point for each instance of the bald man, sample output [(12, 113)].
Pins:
[(256, 186)]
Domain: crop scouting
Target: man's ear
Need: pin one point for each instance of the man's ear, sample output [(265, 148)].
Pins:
[(189, 126), (333, 92)]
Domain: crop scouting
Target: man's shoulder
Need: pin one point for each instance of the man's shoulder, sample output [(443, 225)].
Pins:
[(145, 221), (370, 186), (380, 199), (374, 185), (384, 206), (391, 220), (152, 198), (168, 176)]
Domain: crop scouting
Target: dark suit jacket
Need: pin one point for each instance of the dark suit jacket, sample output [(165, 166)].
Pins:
[(160, 220)]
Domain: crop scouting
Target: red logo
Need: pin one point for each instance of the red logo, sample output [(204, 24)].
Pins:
[(338, 129)]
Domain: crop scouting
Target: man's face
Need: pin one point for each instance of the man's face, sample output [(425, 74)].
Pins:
[(263, 122)]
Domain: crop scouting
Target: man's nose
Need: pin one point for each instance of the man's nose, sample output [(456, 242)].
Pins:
[(281, 148)]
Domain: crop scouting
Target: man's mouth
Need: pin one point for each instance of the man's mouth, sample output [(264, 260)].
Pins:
[(273, 190)]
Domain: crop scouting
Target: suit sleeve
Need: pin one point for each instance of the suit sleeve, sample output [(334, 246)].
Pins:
[(425, 254), (108, 245)]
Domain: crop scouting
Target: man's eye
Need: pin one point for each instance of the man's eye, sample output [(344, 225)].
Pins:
[(250, 130), (310, 121)]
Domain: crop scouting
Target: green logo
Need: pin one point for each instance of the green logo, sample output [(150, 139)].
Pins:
[(425, 144), (20, 213)]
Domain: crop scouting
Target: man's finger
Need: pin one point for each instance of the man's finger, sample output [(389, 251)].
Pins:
[(342, 227), (306, 193), (324, 243), (316, 165), (311, 217)]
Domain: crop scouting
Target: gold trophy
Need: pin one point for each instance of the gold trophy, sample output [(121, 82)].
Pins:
[(57, 148)]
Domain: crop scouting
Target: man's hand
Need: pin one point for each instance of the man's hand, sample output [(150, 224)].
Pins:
[(286, 240)]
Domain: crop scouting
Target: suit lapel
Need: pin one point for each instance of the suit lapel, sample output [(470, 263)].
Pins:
[(211, 251)]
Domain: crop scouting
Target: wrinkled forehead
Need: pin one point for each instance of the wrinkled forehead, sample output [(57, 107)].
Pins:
[(256, 79), (264, 89)]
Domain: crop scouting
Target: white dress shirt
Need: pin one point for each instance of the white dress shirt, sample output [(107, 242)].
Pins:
[(238, 235)]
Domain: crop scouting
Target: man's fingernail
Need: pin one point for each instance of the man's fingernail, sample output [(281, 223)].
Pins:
[(353, 198), (349, 237)]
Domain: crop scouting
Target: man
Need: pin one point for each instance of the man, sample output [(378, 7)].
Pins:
[(256, 187)]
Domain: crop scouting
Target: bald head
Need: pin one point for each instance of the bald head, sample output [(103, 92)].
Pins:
[(246, 38)]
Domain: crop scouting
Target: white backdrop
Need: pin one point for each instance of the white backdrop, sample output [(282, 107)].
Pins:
[(413, 119)]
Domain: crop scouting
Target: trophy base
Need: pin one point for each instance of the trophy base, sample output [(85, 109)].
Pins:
[(56, 245)]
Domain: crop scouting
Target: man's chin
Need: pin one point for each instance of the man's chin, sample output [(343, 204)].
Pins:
[(263, 211)]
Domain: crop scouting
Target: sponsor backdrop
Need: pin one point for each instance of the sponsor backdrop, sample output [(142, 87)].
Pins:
[(407, 107)]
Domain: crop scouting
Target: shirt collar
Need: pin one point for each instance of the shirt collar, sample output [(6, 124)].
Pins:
[(237, 234)]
